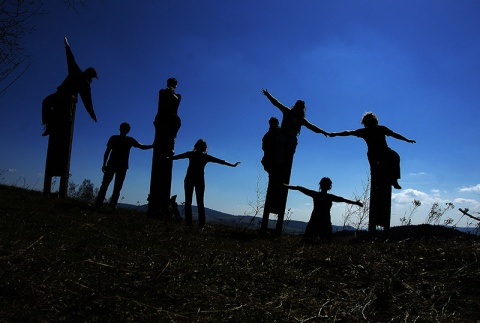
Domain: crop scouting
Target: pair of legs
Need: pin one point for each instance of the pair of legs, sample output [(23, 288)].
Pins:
[(319, 227), (117, 186), (199, 187)]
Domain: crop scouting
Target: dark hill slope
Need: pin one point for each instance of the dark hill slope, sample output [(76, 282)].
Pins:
[(60, 260)]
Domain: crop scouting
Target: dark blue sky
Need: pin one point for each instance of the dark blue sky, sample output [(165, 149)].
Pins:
[(414, 63)]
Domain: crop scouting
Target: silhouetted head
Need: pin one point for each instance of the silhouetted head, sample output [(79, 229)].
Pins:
[(90, 73), (369, 119), (325, 184), (273, 122), (200, 146), (172, 82), (124, 128), (300, 108)]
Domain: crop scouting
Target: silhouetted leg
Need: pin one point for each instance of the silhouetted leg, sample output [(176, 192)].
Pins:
[(394, 167), (47, 184), (325, 230), (188, 202), (266, 216), (267, 206), (200, 192), (117, 187), (107, 179), (279, 226), (63, 186)]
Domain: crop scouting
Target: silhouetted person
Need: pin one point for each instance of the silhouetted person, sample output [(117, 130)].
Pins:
[(195, 178), (56, 106), (167, 123), (115, 163), (378, 150), (286, 142), (320, 223), (268, 145), (292, 121)]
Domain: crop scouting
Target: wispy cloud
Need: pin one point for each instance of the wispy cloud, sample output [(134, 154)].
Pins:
[(475, 189), (418, 174), (11, 170), (408, 195)]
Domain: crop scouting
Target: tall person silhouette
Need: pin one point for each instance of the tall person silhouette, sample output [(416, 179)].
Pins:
[(55, 105), (58, 117), (167, 123), (378, 150), (286, 142), (384, 170)]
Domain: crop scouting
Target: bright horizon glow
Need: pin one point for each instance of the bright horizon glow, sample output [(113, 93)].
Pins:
[(413, 63)]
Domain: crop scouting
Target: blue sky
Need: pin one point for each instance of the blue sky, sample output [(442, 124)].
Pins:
[(413, 63)]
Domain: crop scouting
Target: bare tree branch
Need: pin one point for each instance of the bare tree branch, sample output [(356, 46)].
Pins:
[(15, 23), (465, 212)]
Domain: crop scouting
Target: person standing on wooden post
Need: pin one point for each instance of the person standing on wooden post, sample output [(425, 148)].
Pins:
[(285, 146), (378, 150), (167, 123), (76, 82)]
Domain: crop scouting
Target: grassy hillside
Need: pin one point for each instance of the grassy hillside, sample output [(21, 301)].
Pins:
[(59, 260)]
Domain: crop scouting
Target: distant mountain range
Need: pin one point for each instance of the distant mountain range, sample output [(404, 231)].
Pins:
[(241, 221), (244, 221)]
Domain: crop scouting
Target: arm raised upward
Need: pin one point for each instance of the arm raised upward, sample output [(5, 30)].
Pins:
[(275, 102)]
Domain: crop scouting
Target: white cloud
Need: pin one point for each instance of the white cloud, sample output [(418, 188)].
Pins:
[(12, 170), (406, 197), (469, 203), (465, 201), (418, 174), (475, 189)]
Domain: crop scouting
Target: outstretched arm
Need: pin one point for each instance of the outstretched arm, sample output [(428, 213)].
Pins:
[(216, 160), (336, 198), (342, 133), (274, 101), (400, 137), (313, 127), (86, 97), (181, 156), (143, 147), (302, 189), (73, 67), (230, 164), (351, 202)]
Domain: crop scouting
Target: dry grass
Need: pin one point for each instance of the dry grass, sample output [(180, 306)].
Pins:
[(59, 260)]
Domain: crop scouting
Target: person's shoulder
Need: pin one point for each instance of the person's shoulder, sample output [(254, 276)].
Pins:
[(113, 139), (384, 129)]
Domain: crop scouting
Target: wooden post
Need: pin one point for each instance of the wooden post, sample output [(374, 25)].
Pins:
[(160, 180), (276, 198), (380, 199), (60, 148)]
